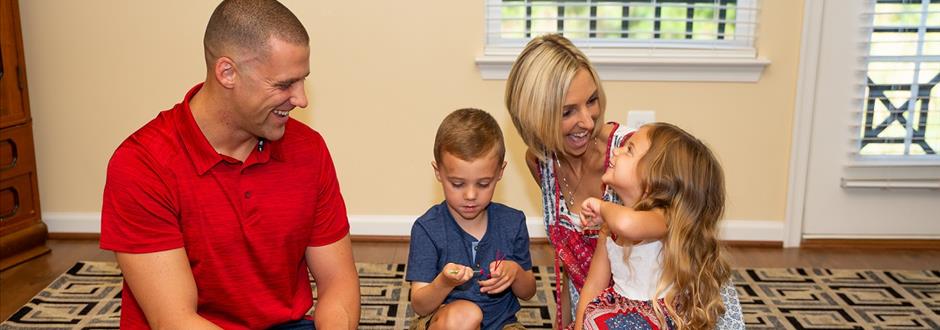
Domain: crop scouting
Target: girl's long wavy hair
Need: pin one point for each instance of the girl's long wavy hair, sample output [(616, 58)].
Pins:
[(681, 176)]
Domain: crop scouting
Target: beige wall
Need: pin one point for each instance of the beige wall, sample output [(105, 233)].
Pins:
[(379, 86)]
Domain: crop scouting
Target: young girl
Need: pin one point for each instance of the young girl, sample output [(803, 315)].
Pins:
[(668, 273)]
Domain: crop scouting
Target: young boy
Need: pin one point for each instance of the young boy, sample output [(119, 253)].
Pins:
[(469, 259)]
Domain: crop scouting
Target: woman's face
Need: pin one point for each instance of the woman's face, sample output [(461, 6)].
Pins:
[(579, 113)]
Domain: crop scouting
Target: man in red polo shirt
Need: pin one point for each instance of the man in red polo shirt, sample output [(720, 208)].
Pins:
[(217, 208)]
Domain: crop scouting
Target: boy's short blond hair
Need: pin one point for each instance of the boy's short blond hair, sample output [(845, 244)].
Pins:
[(536, 89), (469, 134)]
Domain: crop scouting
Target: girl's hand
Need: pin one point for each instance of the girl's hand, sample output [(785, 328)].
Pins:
[(501, 277), (591, 212), (454, 275)]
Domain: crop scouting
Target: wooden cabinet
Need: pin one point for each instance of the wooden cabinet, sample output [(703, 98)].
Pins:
[(22, 232)]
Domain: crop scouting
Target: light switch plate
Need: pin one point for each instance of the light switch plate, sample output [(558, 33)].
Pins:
[(636, 118)]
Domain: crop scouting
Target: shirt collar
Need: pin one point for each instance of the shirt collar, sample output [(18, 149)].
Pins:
[(202, 154)]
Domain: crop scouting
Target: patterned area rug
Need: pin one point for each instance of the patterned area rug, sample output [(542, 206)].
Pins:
[(88, 295)]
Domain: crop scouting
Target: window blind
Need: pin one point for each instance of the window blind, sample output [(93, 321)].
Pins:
[(696, 24), (899, 116)]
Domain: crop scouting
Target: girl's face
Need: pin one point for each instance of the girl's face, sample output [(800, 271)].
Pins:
[(579, 113), (622, 174)]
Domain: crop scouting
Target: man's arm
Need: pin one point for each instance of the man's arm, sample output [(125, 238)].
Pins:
[(163, 285), (334, 270)]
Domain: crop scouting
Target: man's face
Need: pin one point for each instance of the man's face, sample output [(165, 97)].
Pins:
[(271, 86)]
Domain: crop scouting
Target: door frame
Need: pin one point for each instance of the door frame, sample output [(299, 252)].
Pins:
[(810, 46)]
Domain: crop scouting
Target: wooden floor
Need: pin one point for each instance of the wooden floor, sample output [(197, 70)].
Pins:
[(22, 282)]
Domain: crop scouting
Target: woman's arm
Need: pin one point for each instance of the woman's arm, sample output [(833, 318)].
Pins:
[(598, 278), (533, 163)]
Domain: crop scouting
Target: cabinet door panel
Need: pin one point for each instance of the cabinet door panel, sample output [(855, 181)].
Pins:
[(13, 110), (17, 206), (17, 155)]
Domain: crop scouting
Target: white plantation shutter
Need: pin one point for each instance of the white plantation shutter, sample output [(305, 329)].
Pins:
[(658, 40), (899, 116), (656, 24)]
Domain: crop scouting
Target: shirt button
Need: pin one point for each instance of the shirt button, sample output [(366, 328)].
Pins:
[(247, 194)]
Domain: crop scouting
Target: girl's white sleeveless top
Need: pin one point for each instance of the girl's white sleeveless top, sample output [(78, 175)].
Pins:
[(637, 278)]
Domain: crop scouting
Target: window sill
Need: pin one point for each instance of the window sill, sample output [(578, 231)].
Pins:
[(919, 183), (887, 173), (886, 162), (642, 68)]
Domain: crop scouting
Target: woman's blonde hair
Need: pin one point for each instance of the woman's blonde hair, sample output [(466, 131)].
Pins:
[(681, 176), (536, 89)]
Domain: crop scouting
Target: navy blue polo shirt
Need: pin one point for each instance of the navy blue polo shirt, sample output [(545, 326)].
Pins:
[(436, 240)]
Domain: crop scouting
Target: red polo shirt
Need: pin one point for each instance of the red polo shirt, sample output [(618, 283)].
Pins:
[(245, 226)]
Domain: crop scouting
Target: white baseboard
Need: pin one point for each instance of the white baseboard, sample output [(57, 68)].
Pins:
[(400, 225), (72, 222), (752, 230)]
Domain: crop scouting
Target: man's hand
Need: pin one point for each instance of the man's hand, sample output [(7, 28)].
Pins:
[(453, 275), (501, 277)]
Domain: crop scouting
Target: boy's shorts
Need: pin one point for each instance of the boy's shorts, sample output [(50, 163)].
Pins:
[(424, 322)]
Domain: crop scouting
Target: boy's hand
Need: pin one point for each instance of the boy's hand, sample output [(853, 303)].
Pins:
[(454, 275), (501, 277), (591, 212)]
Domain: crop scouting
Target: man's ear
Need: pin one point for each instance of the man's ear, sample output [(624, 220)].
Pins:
[(224, 71), (437, 171)]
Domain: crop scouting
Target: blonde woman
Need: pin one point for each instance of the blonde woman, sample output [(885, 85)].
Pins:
[(557, 104)]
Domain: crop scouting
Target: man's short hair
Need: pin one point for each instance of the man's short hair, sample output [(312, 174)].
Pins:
[(248, 25), (469, 134)]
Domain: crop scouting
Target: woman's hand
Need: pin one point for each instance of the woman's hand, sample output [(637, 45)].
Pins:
[(591, 212), (454, 275), (501, 276)]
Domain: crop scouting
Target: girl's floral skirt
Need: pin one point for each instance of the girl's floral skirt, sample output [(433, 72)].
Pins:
[(610, 310)]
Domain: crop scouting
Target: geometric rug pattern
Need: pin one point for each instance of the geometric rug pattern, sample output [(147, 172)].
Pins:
[(817, 298), (88, 296)]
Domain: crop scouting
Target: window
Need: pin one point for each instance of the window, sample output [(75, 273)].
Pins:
[(899, 118), (699, 40)]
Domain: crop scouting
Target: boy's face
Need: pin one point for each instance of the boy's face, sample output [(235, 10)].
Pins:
[(468, 185)]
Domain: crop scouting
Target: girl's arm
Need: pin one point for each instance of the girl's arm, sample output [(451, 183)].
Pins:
[(632, 224), (598, 278), (624, 221)]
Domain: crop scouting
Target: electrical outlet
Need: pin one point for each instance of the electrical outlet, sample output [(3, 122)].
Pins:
[(636, 118)]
